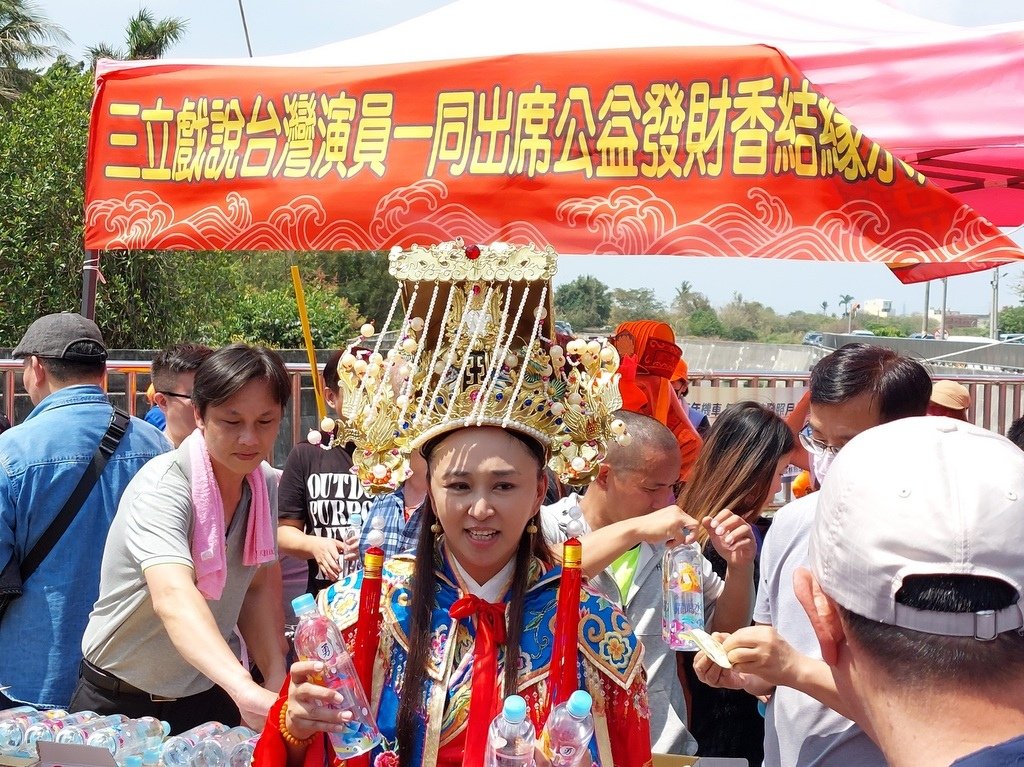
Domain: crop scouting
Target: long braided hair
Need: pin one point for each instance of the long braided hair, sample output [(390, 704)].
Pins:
[(423, 598)]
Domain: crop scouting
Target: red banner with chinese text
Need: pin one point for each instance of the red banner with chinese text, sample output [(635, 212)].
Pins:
[(689, 151)]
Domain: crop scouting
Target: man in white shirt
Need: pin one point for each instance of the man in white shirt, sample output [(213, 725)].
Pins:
[(628, 515)]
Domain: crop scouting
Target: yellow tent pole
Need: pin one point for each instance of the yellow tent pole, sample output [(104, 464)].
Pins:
[(300, 299)]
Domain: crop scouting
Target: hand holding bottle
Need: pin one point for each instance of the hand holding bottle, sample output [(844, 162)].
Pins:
[(313, 708), (353, 731), (670, 524)]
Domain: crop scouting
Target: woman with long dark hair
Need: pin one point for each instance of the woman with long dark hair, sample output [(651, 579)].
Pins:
[(740, 468), (467, 620)]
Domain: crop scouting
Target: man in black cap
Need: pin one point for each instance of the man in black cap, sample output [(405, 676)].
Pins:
[(41, 463)]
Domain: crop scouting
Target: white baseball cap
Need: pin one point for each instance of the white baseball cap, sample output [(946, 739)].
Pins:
[(922, 496)]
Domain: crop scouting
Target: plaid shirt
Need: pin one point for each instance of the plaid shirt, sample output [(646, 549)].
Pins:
[(399, 535)]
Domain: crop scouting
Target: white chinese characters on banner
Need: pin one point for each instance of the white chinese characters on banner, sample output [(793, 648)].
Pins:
[(712, 400)]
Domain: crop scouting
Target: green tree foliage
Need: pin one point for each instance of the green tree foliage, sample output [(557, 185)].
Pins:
[(685, 302), (1011, 320), (270, 316), (363, 280), (705, 323), (42, 155), (27, 37), (145, 38), (636, 304), (584, 303), (148, 299)]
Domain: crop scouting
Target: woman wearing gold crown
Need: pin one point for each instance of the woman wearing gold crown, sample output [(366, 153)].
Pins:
[(469, 619)]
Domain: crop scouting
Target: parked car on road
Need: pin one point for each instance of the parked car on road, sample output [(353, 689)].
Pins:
[(814, 338)]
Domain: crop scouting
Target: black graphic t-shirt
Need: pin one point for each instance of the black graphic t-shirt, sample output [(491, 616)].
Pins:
[(319, 488)]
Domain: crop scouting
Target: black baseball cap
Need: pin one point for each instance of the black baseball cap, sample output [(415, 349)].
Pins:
[(65, 336)]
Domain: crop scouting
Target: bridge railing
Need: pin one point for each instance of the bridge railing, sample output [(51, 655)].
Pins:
[(996, 402)]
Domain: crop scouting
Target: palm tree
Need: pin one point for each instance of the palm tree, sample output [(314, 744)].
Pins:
[(145, 38), (824, 308), (27, 37), (844, 301)]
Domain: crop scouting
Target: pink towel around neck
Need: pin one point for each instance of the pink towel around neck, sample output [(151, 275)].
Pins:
[(208, 543)]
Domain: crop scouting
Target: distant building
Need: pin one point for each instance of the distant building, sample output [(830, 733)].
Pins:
[(877, 307), (958, 319)]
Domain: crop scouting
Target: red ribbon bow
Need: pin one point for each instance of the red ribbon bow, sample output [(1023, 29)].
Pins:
[(483, 698)]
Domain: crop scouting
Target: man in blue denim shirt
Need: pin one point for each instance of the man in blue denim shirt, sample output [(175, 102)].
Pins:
[(41, 461)]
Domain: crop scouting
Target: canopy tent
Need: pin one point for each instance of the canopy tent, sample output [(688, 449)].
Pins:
[(566, 124), (947, 99)]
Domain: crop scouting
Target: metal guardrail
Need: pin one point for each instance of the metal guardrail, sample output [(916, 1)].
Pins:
[(996, 402), (126, 384)]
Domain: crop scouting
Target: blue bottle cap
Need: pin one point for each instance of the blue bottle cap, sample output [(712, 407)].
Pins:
[(514, 710), (304, 603), (166, 727), (579, 704)]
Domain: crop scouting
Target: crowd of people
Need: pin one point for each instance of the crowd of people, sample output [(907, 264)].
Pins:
[(875, 620)]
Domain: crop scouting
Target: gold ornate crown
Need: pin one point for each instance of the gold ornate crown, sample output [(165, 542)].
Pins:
[(473, 349)]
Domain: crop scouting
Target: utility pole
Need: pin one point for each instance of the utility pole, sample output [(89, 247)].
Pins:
[(942, 324), (993, 322), (245, 28), (927, 294)]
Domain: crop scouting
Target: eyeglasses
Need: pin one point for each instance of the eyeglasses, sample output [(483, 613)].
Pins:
[(816, 446), (177, 395)]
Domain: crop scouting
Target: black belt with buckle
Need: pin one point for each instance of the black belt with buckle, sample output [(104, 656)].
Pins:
[(107, 681)]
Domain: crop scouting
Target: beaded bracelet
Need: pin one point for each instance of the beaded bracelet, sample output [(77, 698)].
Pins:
[(290, 739)]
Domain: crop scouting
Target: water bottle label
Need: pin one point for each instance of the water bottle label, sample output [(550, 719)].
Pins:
[(324, 651), (684, 597)]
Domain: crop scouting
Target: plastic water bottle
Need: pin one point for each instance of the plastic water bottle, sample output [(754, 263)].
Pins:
[(217, 751), (49, 729), (511, 738), (317, 638), (131, 737), (151, 757), (12, 730), (349, 563), (241, 755), (79, 733), (177, 751), (10, 713), (682, 571), (566, 736)]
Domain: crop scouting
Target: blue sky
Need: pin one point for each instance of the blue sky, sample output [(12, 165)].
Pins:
[(216, 31)]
